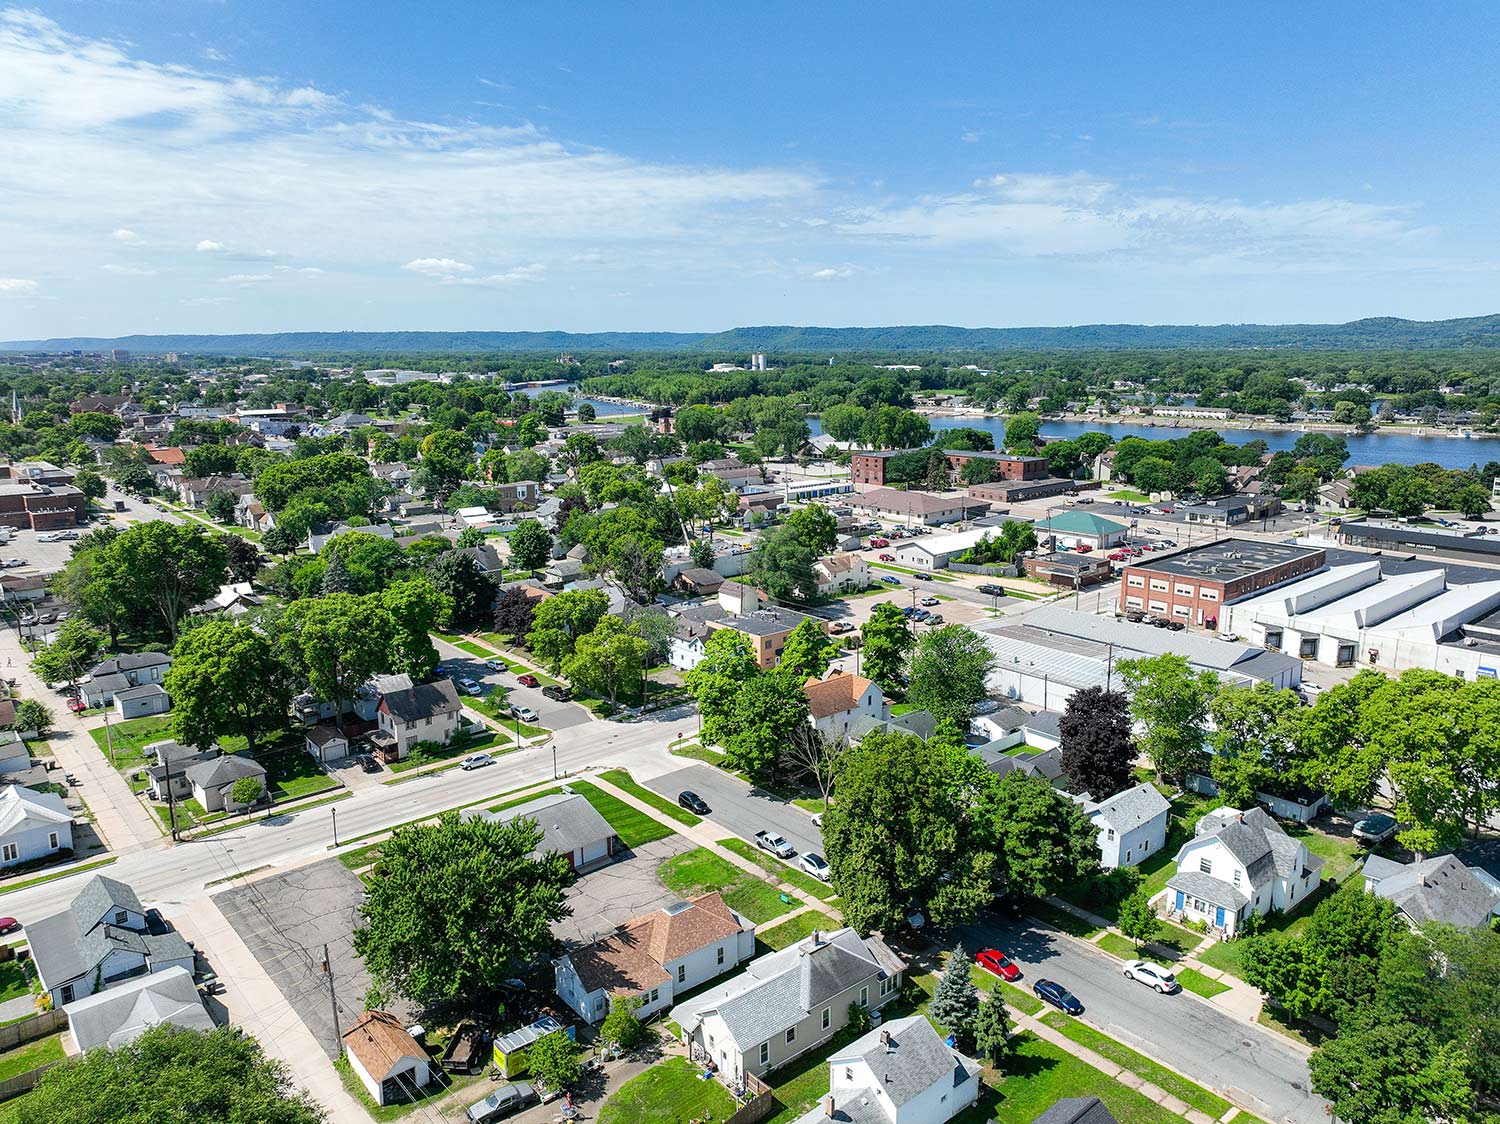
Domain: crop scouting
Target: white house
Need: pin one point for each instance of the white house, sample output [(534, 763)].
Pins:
[(656, 956), (388, 1061), (1132, 825), (33, 825), (840, 573), (1239, 863), (835, 703), (213, 780), (102, 937), (122, 1014), (900, 1073), (571, 826), (788, 1002), (428, 712)]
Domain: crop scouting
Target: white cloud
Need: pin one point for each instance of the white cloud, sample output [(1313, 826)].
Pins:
[(129, 270), (17, 287), (832, 273), (970, 136), (438, 267), (129, 237), (209, 246), (245, 279), (509, 277), (199, 302)]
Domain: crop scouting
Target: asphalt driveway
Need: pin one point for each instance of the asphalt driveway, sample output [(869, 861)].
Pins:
[(554, 715), (740, 809)]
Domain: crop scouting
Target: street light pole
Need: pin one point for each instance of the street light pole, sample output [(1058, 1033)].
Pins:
[(334, 812)]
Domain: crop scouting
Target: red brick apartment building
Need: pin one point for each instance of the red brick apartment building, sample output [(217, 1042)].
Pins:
[(869, 467), (1193, 585)]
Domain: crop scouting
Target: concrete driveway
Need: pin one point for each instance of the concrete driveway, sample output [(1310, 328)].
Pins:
[(740, 809), (602, 899), (285, 921), (1190, 1035)]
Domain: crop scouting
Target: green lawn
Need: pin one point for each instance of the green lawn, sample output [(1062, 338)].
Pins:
[(1129, 495), (700, 870), (1062, 919), (459, 747), (669, 1091), (16, 979), (130, 737), (778, 869), (906, 570), (27, 1057), (517, 801), (473, 649), (792, 930), (1116, 945), (361, 857), (699, 753), (441, 1087), (1196, 982), (1340, 854), (37, 881), (634, 827), (621, 780), (290, 773), (1041, 1074), (1019, 998), (1142, 1066), (1228, 956)]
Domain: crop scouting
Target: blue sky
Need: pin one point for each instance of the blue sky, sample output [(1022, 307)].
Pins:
[(188, 165)]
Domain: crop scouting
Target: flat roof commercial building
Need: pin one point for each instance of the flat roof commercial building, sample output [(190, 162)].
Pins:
[(1193, 585), (868, 467), (916, 507), (1468, 544)]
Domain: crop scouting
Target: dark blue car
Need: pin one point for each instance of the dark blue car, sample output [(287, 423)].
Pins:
[(1050, 991)]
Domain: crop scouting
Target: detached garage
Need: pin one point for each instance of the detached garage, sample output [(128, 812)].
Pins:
[(389, 1062), (138, 702), (570, 826)]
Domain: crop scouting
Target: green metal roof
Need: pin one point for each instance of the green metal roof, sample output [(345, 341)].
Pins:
[(1080, 523)]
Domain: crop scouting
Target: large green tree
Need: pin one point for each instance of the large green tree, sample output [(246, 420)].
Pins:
[(1046, 841), (1382, 1069), (782, 565), (469, 590), (1254, 741), (1169, 702), (886, 639), (334, 644), (609, 661), (216, 1077), (530, 545), (949, 672), (164, 568), (807, 652), (416, 608), (558, 622), (456, 907), (728, 664), (226, 679)]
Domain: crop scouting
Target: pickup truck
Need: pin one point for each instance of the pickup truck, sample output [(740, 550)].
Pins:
[(771, 841)]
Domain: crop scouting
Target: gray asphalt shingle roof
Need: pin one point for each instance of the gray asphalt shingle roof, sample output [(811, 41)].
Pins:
[(1128, 810), (908, 1057), (1437, 889), (1077, 1110), (568, 821), (1209, 888), (425, 700)]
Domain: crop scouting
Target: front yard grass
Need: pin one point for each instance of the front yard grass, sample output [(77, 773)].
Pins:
[(472, 648), (633, 827), (23, 1059), (1199, 984), (434, 1091), (621, 780), (517, 801), (1061, 919), (290, 774), (1142, 1066), (1017, 997), (1041, 1074), (699, 753), (129, 739), (670, 1090), (458, 747), (778, 869), (700, 870), (16, 979), (794, 929)]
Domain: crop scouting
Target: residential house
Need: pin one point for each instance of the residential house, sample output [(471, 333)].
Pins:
[(136, 667), (196, 491), (841, 573), (138, 702), (213, 781), (250, 513), (1045, 764), (1443, 888), (234, 599), (103, 937), (788, 1002), (391, 1064), (900, 1073), (699, 581), (1239, 863), (33, 825), (23, 587), (1077, 1110), (656, 956), (327, 743), (1010, 726), (570, 826), (122, 1014), (1132, 824), (15, 756), (167, 776), (427, 712), (321, 536), (834, 703)]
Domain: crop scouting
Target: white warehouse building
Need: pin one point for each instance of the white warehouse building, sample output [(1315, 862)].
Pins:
[(1380, 612)]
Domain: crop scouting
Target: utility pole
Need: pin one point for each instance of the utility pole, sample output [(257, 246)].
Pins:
[(171, 798), (334, 812), (333, 1002)]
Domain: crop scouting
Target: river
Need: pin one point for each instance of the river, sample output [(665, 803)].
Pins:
[(1370, 448)]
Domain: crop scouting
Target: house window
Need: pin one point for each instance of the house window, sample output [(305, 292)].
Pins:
[(67, 993), (791, 1035), (1109, 833), (655, 994), (52, 840), (864, 996), (1127, 857), (765, 1053), (721, 955), (121, 917), (826, 1018), (9, 852), (1205, 866), (682, 973), (848, 1074), (1236, 878), (711, 1044)]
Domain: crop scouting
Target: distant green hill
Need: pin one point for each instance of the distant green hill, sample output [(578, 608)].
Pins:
[(1378, 332)]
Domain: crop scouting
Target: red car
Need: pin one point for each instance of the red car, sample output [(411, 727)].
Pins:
[(887, 557), (76, 705), (996, 962), (878, 542), (528, 680), (8, 925)]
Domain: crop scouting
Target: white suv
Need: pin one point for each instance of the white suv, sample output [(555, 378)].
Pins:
[(1152, 975)]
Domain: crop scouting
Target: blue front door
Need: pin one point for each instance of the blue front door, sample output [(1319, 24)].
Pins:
[(1219, 917), (1179, 901)]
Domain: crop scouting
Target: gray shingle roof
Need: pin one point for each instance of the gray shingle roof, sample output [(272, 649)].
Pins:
[(101, 895), (908, 1057), (220, 771), (568, 821), (1128, 810), (124, 1012), (1437, 889), (1077, 1110), (1207, 887), (129, 661), (425, 700)]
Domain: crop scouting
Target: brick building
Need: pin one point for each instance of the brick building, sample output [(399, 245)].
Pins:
[(41, 507), (1193, 585), (1067, 568), (868, 467)]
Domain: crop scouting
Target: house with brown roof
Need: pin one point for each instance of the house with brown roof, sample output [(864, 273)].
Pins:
[(655, 957), (841, 573), (838, 702), (388, 1061)]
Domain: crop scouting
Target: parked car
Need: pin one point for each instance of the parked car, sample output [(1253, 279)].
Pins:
[(470, 686), (1050, 991), (694, 803), (890, 580), (557, 694), (495, 665), (992, 590), (504, 1101), (442, 671), (1085, 500), (921, 577), (994, 961), (476, 761), (840, 626), (771, 841), (1083, 548), (934, 618), (12, 563), (816, 865), (887, 557), (8, 925), (1152, 531), (76, 705), (878, 542), (1375, 830), (56, 536), (929, 600), (368, 763), (528, 680), (920, 614), (524, 713), (1152, 975)]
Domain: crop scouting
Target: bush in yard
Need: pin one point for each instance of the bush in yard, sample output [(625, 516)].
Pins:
[(246, 791), (859, 1019), (955, 1002), (620, 1027), (553, 1061), (1136, 918), (33, 715)]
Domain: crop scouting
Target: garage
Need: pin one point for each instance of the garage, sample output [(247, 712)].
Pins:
[(593, 852)]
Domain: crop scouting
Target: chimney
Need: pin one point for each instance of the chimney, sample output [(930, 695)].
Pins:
[(1239, 817), (817, 937), (828, 1106), (1421, 876), (885, 1040)]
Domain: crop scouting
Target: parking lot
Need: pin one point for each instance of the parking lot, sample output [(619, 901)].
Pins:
[(554, 715), (603, 899), (742, 810)]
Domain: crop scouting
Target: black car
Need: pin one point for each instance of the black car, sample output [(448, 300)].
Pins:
[(992, 590), (368, 763), (557, 694), (1050, 991), (692, 802)]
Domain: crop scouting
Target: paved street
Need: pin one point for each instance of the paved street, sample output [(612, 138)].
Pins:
[(742, 810), (1193, 1037)]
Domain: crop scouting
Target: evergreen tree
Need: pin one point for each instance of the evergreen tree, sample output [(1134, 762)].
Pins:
[(992, 1031), (336, 577), (955, 1003)]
